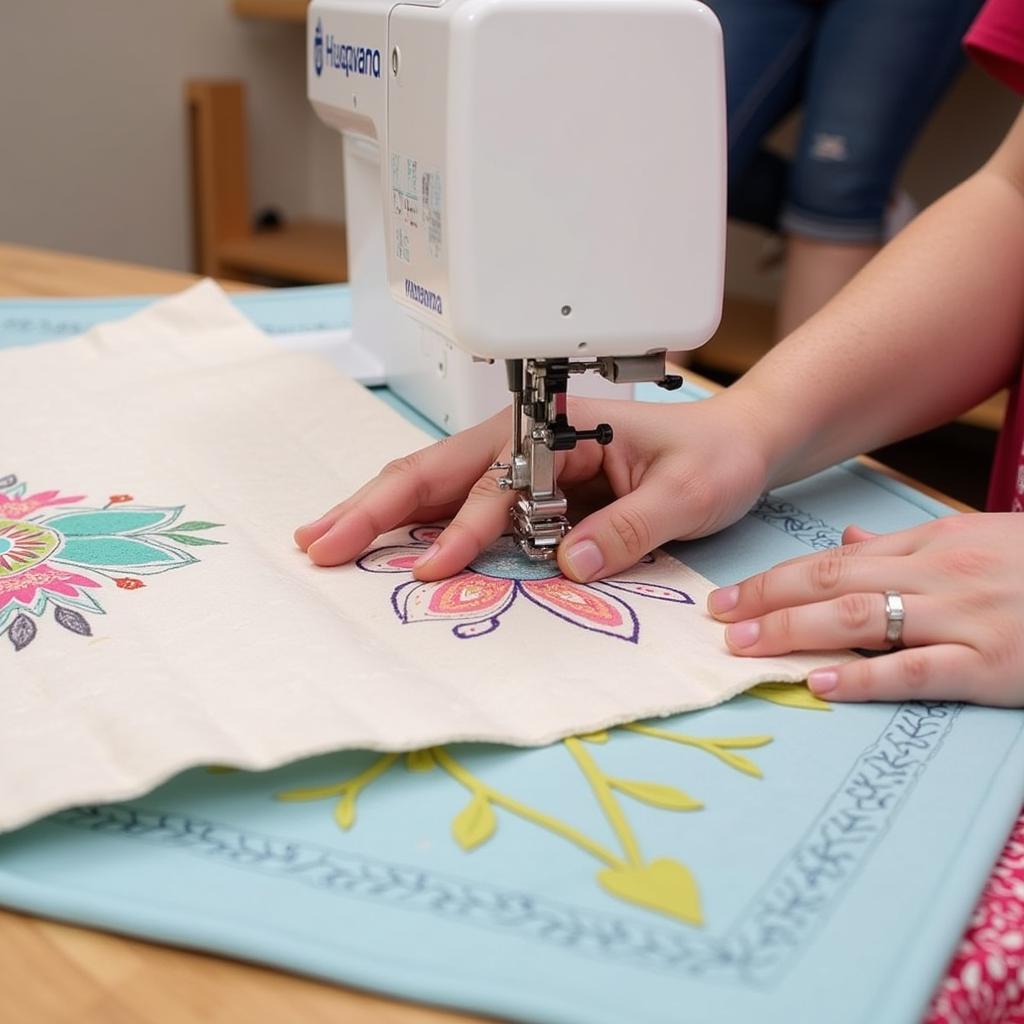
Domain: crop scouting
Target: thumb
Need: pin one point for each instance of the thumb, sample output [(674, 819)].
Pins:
[(618, 536)]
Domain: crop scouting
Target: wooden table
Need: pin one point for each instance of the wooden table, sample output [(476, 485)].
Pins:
[(57, 973), (52, 972)]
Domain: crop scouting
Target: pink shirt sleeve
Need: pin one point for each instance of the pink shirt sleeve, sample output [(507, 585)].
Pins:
[(996, 41)]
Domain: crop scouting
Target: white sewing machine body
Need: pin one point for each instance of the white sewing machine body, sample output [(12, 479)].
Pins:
[(524, 179)]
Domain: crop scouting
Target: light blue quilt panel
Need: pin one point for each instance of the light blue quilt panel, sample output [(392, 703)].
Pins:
[(833, 876)]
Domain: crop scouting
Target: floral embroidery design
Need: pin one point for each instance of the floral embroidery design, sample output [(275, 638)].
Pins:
[(57, 556), (476, 600)]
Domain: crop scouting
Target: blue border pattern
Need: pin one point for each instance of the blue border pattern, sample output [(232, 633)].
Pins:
[(789, 519), (755, 951)]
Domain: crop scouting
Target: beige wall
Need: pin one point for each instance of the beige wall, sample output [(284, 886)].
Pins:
[(93, 151), (92, 128)]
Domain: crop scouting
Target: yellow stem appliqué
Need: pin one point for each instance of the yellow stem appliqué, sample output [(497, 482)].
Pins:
[(718, 746), (481, 791), (599, 783), (663, 885), (347, 791)]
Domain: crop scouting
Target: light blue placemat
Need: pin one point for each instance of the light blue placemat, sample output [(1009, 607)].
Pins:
[(277, 311), (835, 855)]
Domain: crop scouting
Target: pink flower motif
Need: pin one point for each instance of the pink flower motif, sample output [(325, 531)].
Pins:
[(20, 508), (475, 600), (24, 587)]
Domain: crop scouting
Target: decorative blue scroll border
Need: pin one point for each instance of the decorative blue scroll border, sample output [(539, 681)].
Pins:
[(789, 519), (755, 951)]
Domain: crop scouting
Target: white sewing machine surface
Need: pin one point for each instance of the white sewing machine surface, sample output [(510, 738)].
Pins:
[(512, 195)]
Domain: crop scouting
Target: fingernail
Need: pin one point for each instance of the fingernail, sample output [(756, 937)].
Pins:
[(823, 680), (584, 560), (743, 634), (724, 600), (426, 556)]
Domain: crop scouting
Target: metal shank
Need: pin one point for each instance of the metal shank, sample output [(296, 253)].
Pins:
[(541, 428)]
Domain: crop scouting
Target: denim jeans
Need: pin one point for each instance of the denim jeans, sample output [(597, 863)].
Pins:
[(867, 74)]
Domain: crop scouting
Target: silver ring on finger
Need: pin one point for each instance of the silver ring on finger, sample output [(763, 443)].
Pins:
[(894, 616)]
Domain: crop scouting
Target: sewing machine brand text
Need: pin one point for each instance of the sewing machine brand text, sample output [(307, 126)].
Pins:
[(418, 293), (353, 60)]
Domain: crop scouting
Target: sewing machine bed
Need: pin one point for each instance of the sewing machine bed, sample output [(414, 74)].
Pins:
[(832, 856)]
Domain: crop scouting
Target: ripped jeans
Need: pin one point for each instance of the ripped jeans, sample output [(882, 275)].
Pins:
[(867, 74)]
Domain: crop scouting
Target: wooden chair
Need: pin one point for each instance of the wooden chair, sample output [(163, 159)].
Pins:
[(225, 243)]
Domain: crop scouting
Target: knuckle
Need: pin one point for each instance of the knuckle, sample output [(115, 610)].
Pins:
[(631, 529), (1003, 647), (862, 679), (460, 527), (949, 526), (915, 669), (827, 571), (854, 611), (967, 561), (759, 589), (485, 489), (700, 501), (782, 624), (401, 468)]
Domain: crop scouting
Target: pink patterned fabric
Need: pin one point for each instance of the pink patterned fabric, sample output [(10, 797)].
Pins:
[(996, 42), (985, 983)]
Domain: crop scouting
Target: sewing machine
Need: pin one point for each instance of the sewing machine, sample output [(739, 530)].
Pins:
[(538, 182)]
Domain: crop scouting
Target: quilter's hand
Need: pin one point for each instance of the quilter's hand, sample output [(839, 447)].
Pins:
[(672, 471), (962, 583)]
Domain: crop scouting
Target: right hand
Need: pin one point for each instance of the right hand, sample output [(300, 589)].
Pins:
[(673, 471)]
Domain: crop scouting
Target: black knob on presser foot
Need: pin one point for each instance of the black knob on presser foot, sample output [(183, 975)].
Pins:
[(562, 437)]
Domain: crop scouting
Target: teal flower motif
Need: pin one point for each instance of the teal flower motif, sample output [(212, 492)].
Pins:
[(135, 539), (48, 555)]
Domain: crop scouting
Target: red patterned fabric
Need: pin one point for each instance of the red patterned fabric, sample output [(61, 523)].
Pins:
[(985, 983)]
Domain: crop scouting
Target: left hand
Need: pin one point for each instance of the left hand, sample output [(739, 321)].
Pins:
[(962, 583)]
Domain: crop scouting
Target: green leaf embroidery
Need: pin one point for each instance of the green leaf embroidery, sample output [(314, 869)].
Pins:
[(195, 524), (668, 798), (475, 823), (188, 540)]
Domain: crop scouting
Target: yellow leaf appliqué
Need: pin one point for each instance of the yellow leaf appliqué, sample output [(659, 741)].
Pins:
[(475, 823), (663, 885), (668, 798), (790, 695)]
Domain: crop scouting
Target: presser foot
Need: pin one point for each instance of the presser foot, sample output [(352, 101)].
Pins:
[(539, 526)]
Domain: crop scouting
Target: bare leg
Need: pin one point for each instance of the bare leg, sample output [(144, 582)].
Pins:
[(815, 271)]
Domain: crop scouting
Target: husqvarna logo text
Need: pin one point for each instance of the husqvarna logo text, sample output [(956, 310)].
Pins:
[(318, 47), (419, 294), (352, 60)]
